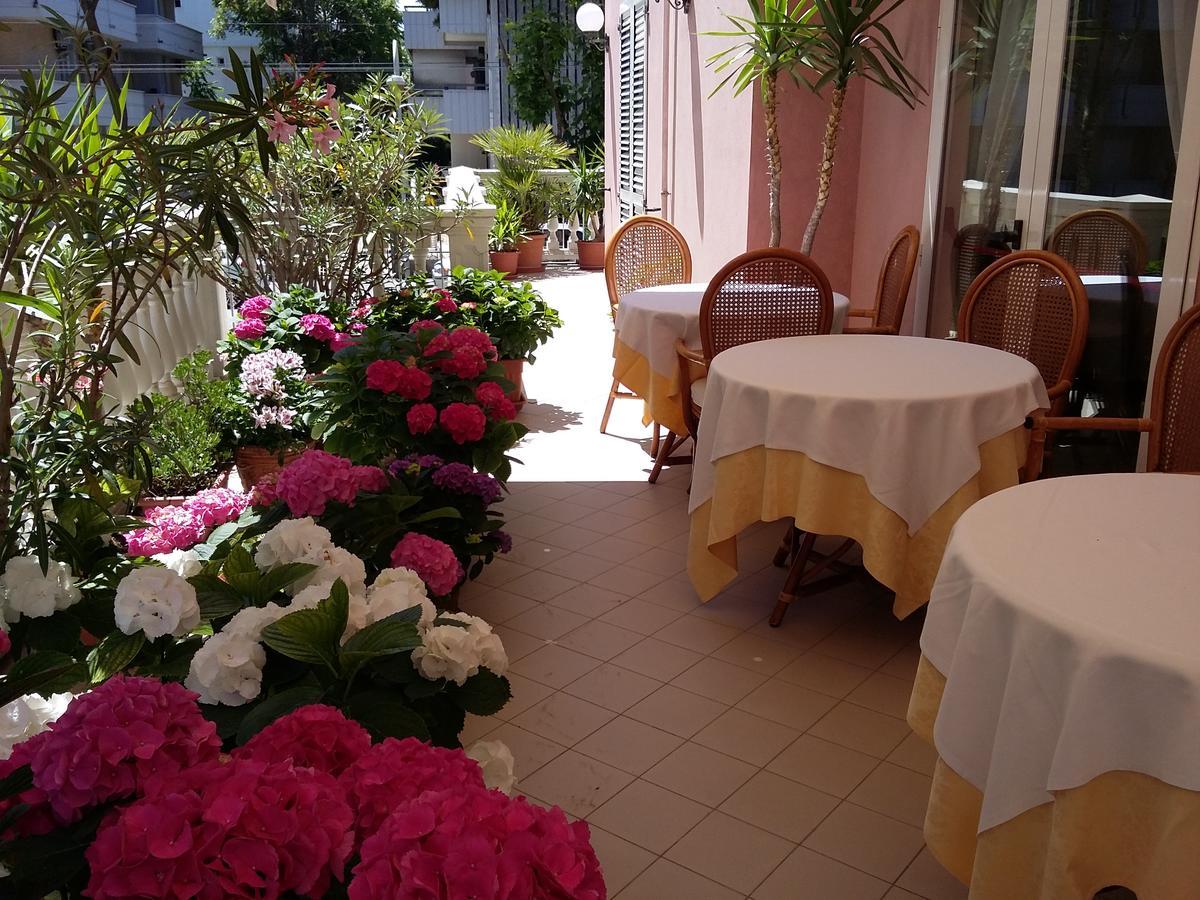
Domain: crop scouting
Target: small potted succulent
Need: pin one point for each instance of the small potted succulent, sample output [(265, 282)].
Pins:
[(504, 238), (587, 203)]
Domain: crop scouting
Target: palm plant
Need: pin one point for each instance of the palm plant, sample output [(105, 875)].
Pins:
[(586, 197), (520, 155)]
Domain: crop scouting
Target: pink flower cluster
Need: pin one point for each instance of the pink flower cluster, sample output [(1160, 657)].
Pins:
[(433, 560), (465, 422), (495, 402), (255, 307), (464, 352), (216, 506), (249, 329), (477, 843), (316, 737), (393, 377), (308, 484), (128, 736), (318, 327), (181, 527)]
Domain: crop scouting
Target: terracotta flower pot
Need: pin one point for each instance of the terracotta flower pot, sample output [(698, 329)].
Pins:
[(591, 254), (255, 462), (149, 503), (505, 262), (514, 371), (531, 250)]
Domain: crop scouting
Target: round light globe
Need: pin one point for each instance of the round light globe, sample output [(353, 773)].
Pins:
[(589, 18)]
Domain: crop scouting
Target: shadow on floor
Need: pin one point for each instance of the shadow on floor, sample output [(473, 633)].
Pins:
[(547, 417)]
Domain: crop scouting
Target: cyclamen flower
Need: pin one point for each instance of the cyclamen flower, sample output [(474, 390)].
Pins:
[(26, 590), (157, 602), (263, 373), (495, 401), (465, 422), (456, 653), (393, 377), (316, 736), (249, 329), (421, 418), (430, 558), (318, 327), (128, 735), (216, 506), (254, 307)]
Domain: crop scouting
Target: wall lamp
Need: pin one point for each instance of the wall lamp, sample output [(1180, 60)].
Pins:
[(589, 19)]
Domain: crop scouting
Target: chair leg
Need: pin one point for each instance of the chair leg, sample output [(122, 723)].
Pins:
[(799, 574), (785, 546), (669, 443), (795, 573), (654, 440), (612, 396)]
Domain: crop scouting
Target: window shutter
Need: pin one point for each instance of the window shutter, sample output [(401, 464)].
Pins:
[(632, 125)]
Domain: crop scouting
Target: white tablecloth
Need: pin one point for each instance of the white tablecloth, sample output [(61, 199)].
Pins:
[(1066, 619), (908, 414), (651, 320)]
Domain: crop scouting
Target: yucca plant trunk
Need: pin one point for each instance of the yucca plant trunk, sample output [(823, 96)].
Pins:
[(774, 154), (825, 173)]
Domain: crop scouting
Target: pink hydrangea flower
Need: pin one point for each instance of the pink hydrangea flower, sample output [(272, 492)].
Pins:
[(370, 478), (425, 325), (129, 735), (316, 736), (440, 343), (433, 560), (445, 303), (393, 377), (264, 493), (216, 506), (254, 307), (309, 483), (5, 644), (38, 818), (421, 418), (249, 329), (495, 402), (464, 362), (465, 422), (466, 336), (318, 327), (341, 341), (171, 528)]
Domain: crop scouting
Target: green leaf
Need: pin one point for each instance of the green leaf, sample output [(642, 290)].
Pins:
[(312, 635), (280, 577), (483, 694), (43, 672), (276, 706), (216, 537), (240, 562), (16, 782), (384, 714), (24, 301), (113, 654), (395, 634), (216, 597)]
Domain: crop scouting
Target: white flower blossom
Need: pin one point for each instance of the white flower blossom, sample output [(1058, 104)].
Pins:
[(227, 669), (496, 763), (334, 563), (456, 653), (293, 541), (250, 622), (27, 716), (182, 562), (156, 601), (395, 590), (26, 590)]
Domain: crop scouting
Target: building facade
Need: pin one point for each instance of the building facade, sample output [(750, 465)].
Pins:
[(198, 14)]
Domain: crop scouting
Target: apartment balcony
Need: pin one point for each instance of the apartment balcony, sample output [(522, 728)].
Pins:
[(465, 109), (158, 34), (117, 19), (456, 22)]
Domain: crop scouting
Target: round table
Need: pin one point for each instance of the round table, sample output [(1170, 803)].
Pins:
[(649, 322), (1060, 664), (883, 439)]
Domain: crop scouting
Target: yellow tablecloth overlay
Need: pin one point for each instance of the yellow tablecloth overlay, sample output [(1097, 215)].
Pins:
[(660, 394), (1121, 828), (764, 485)]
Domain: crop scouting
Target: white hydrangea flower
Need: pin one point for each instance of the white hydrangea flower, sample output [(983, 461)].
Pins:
[(227, 669), (334, 563), (456, 653), (496, 763), (182, 562), (250, 622), (27, 716), (156, 601), (396, 590), (293, 541), (26, 590)]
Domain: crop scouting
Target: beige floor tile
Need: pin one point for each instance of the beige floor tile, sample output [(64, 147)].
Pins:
[(614, 548), (736, 609), (554, 666), (530, 751), (747, 737), (629, 745), (787, 704), (650, 816), (926, 878), (588, 600), (864, 644), (700, 774), (497, 605), (627, 581), (883, 693), (866, 840), (780, 805), (829, 768), (540, 585), (567, 512), (756, 654), (806, 875), (640, 616), (825, 674), (596, 499), (660, 561), (665, 880), (697, 634), (600, 640), (607, 522), (620, 860), (657, 659), (719, 680), (677, 711), (896, 792), (677, 593), (563, 719), (475, 727), (914, 753), (529, 526), (677, 544), (730, 852), (516, 643), (613, 687), (577, 783), (900, 894), (547, 622), (861, 729), (500, 572), (534, 553), (579, 566), (904, 663), (572, 538), (525, 693)]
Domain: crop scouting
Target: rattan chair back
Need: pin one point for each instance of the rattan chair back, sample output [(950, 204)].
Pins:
[(1100, 242), (895, 278), (644, 252), (1175, 401), (1032, 304), (761, 295), (969, 244)]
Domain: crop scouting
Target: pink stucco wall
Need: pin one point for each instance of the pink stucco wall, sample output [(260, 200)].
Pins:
[(706, 162)]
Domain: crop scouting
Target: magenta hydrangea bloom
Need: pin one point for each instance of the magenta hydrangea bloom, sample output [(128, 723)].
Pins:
[(316, 736), (370, 478), (464, 362), (254, 307), (433, 560), (465, 422), (38, 818), (341, 341), (216, 506), (249, 329), (495, 402), (421, 417), (171, 528), (318, 327), (467, 336), (308, 484), (129, 735)]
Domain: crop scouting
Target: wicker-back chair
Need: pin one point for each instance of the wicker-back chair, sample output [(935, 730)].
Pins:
[(970, 245), (891, 295), (644, 252), (1174, 423), (1100, 242), (1032, 304)]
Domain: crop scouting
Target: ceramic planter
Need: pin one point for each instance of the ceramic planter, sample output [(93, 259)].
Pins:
[(591, 254), (505, 262), (255, 462), (531, 250), (514, 371)]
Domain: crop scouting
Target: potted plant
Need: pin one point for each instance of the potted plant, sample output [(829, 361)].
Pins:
[(519, 321), (504, 238), (587, 203), (521, 155), (184, 450)]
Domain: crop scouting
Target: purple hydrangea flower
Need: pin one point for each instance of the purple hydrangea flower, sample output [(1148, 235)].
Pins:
[(487, 487), (454, 477), (504, 540)]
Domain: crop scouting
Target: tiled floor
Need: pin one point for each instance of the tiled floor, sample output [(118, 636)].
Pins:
[(713, 756)]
